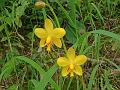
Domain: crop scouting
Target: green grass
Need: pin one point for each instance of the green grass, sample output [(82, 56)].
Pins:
[(92, 28)]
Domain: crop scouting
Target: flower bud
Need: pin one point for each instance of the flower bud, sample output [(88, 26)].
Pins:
[(39, 4)]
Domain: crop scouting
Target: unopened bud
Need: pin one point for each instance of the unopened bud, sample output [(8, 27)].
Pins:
[(39, 4)]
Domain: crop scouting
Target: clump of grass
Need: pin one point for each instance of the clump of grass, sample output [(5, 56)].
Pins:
[(92, 28)]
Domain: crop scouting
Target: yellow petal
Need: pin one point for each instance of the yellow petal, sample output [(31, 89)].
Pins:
[(42, 42), (65, 71), (71, 54), (80, 59), (48, 25), (57, 42), (78, 70), (40, 33), (62, 62), (59, 32)]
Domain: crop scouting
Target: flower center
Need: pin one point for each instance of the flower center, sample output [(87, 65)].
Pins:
[(48, 41), (71, 74), (49, 47), (71, 66)]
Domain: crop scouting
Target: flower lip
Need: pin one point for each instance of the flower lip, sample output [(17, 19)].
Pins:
[(71, 66), (71, 74), (48, 47), (48, 41)]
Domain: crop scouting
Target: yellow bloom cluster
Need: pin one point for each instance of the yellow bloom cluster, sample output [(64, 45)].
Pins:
[(49, 36)]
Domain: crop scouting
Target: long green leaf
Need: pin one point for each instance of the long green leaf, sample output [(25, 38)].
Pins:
[(38, 68), (92, 77), (46, 78), (7, 69), (107, 33), (71, 4), (112, 63), (32, 63), (66, 14), (99, 14)]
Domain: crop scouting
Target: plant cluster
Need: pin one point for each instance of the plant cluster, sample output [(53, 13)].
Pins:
[(59, 45)]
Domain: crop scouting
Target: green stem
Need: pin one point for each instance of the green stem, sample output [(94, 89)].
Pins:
[(51, 9), (8, 38)]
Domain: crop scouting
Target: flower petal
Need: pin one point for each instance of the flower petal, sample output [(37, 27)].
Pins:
[(71, 54), (59, 32), (65, 71), (62, 62), (78, 70), (80, 59), (48, 25), (40, 33), (42, 42), (57, 42)]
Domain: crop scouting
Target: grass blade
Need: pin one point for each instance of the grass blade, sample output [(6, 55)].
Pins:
[(107, 33), (46, 78), (38, 68), (98, 12), (92, 77), (66, 14), (71, 4)]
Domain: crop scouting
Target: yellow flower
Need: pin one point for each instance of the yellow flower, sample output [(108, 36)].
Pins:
[(71, 63), (50, 35)]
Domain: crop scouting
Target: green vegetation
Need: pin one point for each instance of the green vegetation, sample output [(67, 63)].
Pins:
[(92, 28)]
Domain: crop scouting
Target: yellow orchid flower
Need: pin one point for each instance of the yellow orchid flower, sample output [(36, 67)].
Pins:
[(71, 63), (50, 35)]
